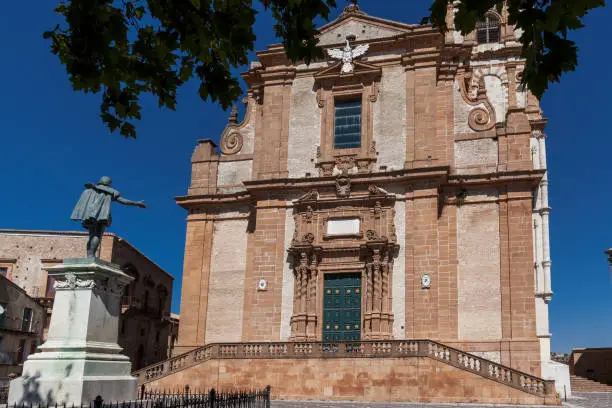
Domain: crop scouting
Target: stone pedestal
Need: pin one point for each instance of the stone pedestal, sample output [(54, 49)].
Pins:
[(81, 358)]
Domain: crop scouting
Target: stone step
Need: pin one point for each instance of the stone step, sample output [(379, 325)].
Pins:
[(581, 384)]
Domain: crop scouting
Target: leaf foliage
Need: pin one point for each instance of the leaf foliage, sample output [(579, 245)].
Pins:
[(125, 48), (544, 25)]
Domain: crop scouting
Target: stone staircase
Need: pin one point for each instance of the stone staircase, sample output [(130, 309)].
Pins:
[(401, 349), (581, 384)]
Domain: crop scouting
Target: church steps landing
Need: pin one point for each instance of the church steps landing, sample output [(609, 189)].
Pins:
[(384, 349)]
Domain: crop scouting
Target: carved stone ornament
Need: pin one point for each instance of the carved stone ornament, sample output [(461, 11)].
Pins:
[(363, 166), (72, 282), (351, 10), (479, 119), (374, 95), (113, 286), (308, 238), (377, 210), (345, 163), (374, 190), (343, 186), (372, 235), (320, 99), (311, 195), (231, 143), (327, 169), (308, 215), (393, 234), (482, 117), (347, 55)]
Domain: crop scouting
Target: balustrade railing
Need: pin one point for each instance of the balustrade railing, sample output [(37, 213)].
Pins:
[(353, 349)]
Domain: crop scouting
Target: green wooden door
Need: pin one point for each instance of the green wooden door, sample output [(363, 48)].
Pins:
[(342, 307)]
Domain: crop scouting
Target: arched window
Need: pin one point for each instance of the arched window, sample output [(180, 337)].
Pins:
[(488, 30)]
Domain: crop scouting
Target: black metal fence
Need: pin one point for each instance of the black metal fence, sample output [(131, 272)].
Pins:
[(3, 395), (181, 399)]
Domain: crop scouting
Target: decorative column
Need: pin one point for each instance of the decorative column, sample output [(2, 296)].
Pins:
[(81, 358), (304, 319), (299, 317), (378, 317), (311, 318), (545, 212)]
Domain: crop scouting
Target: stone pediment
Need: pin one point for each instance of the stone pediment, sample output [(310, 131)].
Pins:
[(355, 22), (361, 69)]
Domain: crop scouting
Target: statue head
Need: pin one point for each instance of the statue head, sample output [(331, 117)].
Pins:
[(105, 181)]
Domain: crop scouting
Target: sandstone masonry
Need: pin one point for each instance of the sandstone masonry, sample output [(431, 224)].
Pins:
[(439, 211)]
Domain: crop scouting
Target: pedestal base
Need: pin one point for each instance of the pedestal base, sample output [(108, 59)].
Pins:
[(48, 380), (81, 358)]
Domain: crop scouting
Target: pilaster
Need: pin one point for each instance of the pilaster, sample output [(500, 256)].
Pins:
[(196, 275)]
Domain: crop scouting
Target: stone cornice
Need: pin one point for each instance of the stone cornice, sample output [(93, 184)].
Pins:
[(190, 201), (531, 177), (439, 174)]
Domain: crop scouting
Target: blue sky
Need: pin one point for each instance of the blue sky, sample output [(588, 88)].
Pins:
[(52, 142)]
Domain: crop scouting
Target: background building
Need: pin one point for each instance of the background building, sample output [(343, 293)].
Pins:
[(145, 324), (591, 369), (395, 190), (21, 327)]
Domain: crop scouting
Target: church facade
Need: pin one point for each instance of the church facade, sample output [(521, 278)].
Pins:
[(396, 190)]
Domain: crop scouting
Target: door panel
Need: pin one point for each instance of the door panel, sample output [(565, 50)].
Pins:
[(342, 307)]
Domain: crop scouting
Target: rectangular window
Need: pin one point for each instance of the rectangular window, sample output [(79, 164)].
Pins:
[(3, 271), (26, 321), (347, 124)]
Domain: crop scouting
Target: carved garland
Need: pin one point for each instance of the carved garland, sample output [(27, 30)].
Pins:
[(72, 282)]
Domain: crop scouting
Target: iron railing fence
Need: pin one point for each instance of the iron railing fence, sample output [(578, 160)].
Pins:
[(3, 395), (182, 399)]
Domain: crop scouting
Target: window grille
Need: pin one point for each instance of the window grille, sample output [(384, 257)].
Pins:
[(488, 30), (347, 124)]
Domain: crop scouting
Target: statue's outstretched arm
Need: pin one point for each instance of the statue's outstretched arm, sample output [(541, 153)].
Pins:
[(125, 201)]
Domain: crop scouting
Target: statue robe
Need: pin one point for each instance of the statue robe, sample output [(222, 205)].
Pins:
[(94, 206)]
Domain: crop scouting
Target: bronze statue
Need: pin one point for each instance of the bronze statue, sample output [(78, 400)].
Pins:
[(94, 210)]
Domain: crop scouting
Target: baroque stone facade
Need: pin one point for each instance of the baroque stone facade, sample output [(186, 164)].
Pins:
[(438, 208), (144, 325)]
